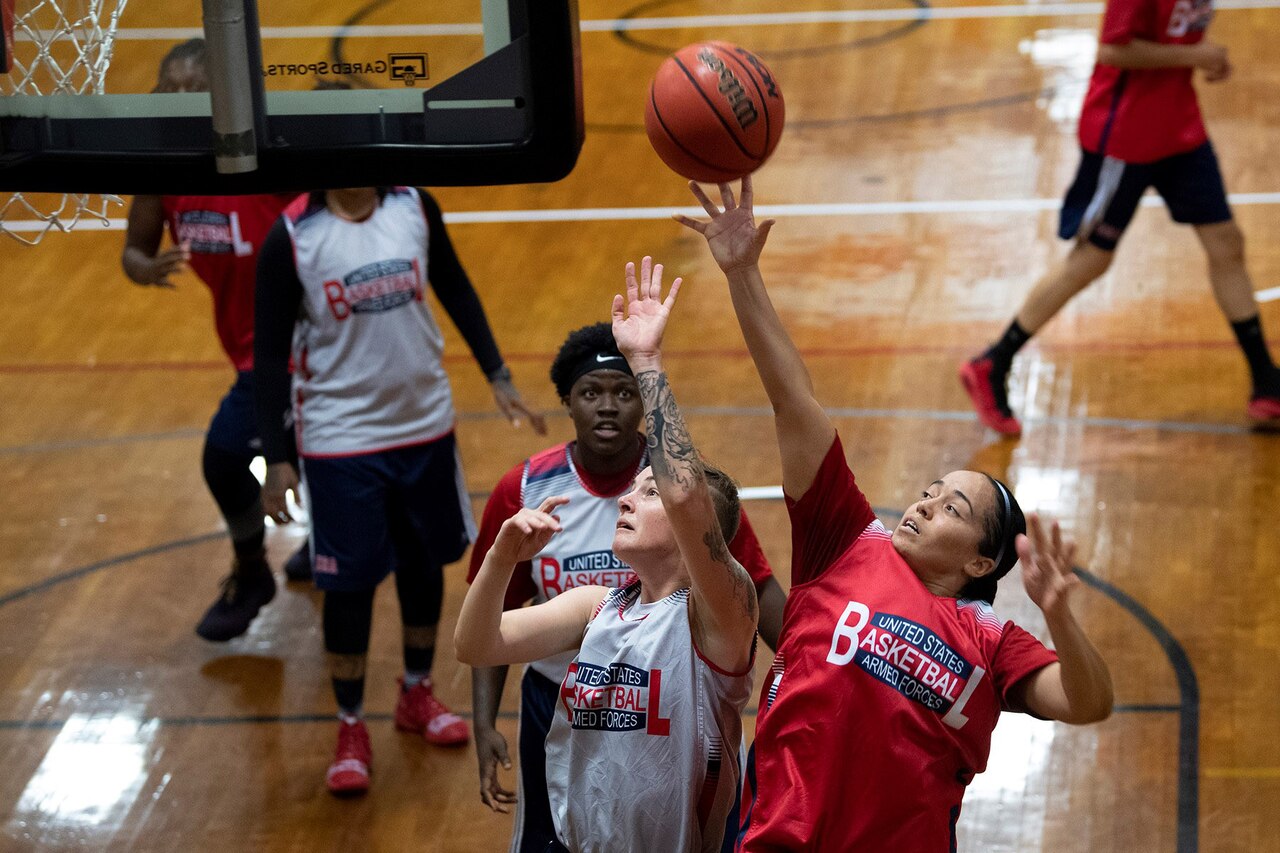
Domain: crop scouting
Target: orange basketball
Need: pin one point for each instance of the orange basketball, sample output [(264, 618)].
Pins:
[(714, 112)]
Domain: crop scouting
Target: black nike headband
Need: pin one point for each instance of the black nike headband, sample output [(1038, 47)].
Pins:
[(607, 359)]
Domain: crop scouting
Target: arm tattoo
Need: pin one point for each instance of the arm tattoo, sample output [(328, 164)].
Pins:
[(676, 464), (675, 460), (742, 586)]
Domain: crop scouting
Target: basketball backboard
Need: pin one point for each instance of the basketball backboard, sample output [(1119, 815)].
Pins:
[(460, 92)]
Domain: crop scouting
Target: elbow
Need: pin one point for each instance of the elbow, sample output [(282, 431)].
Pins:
[(464, 648), (1096, 710), (473, 651)]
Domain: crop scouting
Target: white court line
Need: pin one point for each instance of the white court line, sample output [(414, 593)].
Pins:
[(1271, 294), (774, 19), (635, 214), (760, 493)]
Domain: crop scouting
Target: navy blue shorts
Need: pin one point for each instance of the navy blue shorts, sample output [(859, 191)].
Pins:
[(535, 831), (405, 508), (234, 428), (1106, 192)]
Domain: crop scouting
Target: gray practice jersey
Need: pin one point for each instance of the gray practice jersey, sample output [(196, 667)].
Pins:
[(643, 751), (366, 348)]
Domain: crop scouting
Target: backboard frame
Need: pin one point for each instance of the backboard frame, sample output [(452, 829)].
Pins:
[(522, 103)]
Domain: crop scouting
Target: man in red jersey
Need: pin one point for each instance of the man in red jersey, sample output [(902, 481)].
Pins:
[(892, 668), (218, 238), (1140, 128)]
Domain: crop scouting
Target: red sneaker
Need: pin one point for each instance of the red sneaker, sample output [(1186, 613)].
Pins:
[(1264, 411), (349, 773), (420, 711), (988, 396)]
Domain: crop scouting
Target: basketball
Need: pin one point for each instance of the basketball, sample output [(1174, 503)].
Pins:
[(714, 112)]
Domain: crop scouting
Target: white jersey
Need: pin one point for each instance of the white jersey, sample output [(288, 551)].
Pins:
[(581, 554), (643, 751), (366, 348)]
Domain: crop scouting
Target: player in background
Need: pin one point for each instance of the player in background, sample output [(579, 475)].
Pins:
[(890, 656), (1141, 127), (342, 284), (594, 470), (642, 753), (218, 237)]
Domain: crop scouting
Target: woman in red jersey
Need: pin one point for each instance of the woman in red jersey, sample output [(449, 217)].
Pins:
[(892, 667)]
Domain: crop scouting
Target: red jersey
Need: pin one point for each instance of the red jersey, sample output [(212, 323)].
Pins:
[(1144, 115), (225, 234), (524, 485), (880, 705)]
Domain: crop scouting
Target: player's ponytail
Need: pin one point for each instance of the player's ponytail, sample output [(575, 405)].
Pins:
[(1001, 528)]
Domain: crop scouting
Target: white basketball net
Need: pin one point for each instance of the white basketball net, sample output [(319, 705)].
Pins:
[(60, 47)]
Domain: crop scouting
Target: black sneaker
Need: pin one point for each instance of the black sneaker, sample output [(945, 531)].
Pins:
[(244, 592), (298, 567)]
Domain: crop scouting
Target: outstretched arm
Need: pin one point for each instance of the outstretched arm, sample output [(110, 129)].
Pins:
[(488, 636), (453, 288), (1139, 53), (804, 431), (1077, 689), (723, 599)]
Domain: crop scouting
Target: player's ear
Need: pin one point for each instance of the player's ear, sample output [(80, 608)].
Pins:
[(564, 401)]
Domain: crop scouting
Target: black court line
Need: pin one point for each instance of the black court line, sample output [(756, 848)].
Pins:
[(1188, 711), (357, 81), (627, 37), (83, 571), (1188, 708)]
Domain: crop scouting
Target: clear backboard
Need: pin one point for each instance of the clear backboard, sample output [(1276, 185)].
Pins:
[(464, 92)]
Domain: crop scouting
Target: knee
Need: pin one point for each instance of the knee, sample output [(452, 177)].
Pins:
[(1088, 262), (229, 479), (1224, 244)]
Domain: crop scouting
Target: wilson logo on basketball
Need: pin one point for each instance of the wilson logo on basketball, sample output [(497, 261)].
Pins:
[(714, 112), (731, 87)]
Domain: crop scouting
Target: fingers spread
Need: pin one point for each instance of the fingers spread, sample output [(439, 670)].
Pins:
[(700, 227), (702, 198), (671, 295), (726, 195), (632, 287)]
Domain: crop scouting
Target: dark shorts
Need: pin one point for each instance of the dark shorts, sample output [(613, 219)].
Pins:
[(534, 829), (1106, 193), (405, 509), (234, 428)]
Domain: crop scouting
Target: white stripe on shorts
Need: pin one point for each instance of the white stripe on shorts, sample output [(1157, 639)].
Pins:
[(1108, 182)]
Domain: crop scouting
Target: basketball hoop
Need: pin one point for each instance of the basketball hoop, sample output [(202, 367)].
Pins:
[(55, 47)]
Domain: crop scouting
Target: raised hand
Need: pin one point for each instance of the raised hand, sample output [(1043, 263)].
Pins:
[(528, 531), (640, 320), (1047, 565), (732, 234)]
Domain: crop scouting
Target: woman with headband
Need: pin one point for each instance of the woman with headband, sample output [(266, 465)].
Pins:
[(892, 667)]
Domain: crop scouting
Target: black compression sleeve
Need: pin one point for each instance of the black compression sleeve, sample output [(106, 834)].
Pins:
[(276, 300), (453, 288)]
